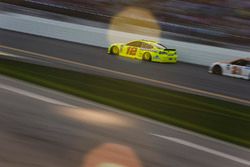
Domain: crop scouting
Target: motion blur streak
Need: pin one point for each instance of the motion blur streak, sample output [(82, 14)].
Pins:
[(112, 155), (33, 95), (130, 20), (33, 133), (94, 116), (202, 148)]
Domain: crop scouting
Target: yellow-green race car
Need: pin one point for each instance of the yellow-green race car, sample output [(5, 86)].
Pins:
[(144, 50)]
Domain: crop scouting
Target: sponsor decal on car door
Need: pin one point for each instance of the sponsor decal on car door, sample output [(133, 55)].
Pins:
[(236, 70)]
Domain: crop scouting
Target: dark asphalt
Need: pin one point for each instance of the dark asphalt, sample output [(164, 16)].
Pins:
[(183, 74), (39, 128)]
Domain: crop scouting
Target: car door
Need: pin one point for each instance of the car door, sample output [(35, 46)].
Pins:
[(145, 48), (237, 68), (132, 49), (246, 70)]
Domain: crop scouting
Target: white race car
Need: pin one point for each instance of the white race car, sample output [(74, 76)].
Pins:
[(239, 68)]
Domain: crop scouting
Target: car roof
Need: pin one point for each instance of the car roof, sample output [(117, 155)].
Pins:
[(149, 41), (143, 40), (146, 41), (246, 59)]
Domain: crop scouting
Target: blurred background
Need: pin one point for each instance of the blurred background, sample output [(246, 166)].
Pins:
[(215, 22), (42, 127)]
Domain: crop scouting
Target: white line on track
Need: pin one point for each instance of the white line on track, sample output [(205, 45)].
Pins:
[(20, 57), (34, 96), (204, 149), (179, 87), (11, 55)]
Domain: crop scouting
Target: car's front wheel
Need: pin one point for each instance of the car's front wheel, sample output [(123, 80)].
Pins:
[(115, 50), (217, 70), (147, 56)]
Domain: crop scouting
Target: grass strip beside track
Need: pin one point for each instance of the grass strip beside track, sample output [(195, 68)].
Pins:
[(216, 118)]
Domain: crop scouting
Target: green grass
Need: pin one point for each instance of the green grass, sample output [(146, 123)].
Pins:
[(216, 118)]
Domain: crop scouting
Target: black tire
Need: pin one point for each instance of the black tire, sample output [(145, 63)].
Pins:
[(217, 70), (147, 56), (115, 50)]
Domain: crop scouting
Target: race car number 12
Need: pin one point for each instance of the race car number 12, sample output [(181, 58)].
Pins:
[(131, 51)]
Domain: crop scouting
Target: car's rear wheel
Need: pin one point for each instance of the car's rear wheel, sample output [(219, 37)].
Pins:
[(217, 70), (147, 56), (115, 50)]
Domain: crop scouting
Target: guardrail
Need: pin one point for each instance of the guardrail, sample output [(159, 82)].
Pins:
[(188, 52)]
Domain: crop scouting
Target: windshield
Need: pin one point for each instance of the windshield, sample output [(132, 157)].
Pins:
[(160, 46)]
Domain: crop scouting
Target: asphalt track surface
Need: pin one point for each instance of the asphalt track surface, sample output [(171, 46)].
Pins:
[(180, 74), (45, 128)]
